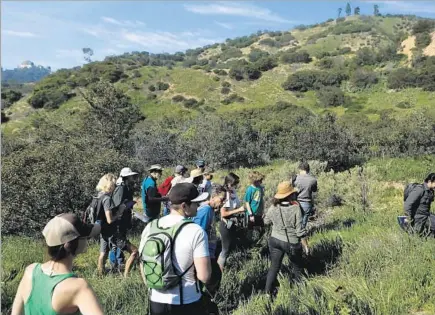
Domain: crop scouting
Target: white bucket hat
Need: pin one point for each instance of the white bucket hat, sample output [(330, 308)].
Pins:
[(126, 171)]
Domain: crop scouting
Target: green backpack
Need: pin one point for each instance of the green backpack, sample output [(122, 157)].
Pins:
[(156, 254)]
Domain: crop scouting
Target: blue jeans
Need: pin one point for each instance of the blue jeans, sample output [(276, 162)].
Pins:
[(116, 256), (308, 210)]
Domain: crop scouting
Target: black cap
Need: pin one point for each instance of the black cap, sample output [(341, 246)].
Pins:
[(186, 192)]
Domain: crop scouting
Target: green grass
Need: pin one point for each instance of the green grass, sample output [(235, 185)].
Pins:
[(377, 268)]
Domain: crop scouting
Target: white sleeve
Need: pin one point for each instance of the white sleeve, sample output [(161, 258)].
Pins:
[(200, 244), (227, 203)]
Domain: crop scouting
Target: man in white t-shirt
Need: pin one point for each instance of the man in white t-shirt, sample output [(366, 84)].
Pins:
[(191, 247)]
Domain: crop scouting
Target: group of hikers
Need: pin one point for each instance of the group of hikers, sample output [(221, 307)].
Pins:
[(178, 252)]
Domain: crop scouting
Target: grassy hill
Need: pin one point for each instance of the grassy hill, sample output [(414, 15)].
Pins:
[(198, 75)]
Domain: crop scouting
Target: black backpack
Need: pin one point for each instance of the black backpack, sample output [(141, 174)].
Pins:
[(408, 189), (93, 210)]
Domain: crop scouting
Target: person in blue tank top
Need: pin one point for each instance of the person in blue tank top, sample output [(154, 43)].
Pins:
[(151, 199), (52, 288)]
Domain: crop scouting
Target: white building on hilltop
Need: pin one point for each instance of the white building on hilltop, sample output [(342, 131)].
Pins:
[(26, 64)]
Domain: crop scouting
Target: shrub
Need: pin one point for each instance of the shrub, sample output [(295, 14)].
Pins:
[(162, 86), (268, 42), (231, 53), (422, 40), (330, 96), (349, 27), (136, 74), (190, 103), (202, 62), (402, 78), (9, 97), (362, 78), (248, 72), (219, 72), (423, 26), (266, 63), (313, 79), (296, 57), (226, 84), (326, 63), (232, 98), (404, 104), (151, 96), (4, 118), (225, 90), (178, 98), (152, 88), (216, 78), (189, 62), (257, 54)]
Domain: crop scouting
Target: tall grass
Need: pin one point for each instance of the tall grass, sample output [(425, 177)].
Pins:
[(361, 262)]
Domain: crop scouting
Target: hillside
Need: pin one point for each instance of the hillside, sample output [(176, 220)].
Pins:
[(248, 73)]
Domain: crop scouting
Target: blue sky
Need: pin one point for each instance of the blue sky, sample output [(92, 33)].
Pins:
[(52, 33)]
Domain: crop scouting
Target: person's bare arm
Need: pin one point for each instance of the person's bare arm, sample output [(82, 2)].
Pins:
[(248, 207), (203, 268), (226, 213), (305, 247), (21, 296), (86, 300)]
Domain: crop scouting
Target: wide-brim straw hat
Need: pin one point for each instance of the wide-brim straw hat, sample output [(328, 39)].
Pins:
[(284, 190)]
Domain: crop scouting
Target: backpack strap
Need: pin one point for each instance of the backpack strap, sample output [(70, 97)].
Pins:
[(283, 223), (176, 231)]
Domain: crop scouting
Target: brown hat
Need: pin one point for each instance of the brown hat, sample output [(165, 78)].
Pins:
[(285, 189), (66, 227)]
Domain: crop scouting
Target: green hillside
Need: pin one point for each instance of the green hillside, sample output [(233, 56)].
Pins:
[(254, 68)]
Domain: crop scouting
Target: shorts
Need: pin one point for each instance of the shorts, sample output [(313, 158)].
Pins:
[(105, 243)]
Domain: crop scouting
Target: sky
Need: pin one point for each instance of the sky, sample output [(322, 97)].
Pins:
[(53, 33)]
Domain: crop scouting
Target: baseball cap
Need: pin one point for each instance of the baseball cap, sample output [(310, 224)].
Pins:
[(155, 167), (66, 227), (126, 171), (200, 163), (186, 192), (180, 169)]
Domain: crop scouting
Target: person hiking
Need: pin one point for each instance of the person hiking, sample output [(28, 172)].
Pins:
[(107, 215), (52, 287), (231, 207), (307, 185), (200, 165), (173, 250), (165, 188), (417, 206), (151, 199), (288, 234), (123, 198), (196, 177), (206, 185), (205, 218), (254, 200)]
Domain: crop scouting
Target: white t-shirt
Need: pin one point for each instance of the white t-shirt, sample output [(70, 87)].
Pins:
[(233, 202), (191, 242)]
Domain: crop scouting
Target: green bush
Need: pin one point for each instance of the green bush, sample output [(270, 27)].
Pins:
[(247, 72), (422, 40), (232, 98), (231, 52), (8, 97), (402, 78), (326, 63), (404, 104), (257, 54), (268, 42), (423, 26), (162, 86), (225, 90), (219, 72), (226, 84), (300, 56), (330, 96), (265, 63), (305, 80), (152, 88), (362, 78), (190, 103), (178, 98), (349, 27)]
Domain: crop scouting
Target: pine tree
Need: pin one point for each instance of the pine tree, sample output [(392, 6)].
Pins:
[(348, 9), (356, 11), (376, 10), (339, 12)]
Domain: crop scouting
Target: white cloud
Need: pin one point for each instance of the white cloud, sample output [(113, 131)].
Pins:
[(18, 34), (236, 9), (408, 7), (228, 26), (125, 23)]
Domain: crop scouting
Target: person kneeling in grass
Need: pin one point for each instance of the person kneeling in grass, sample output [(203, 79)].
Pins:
[(52, 287)]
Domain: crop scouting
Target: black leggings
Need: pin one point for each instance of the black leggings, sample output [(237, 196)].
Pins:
[(195, 308), (277, 250), (227, 238)]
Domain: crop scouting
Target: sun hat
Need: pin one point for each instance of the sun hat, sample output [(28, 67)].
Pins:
[(155, 167), (186, 192), (126, 171), (180, 169), (66, 227), (285, 189), (194, 174)]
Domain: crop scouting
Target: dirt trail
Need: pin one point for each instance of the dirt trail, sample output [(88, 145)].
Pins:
[(407, 46), (430, 50)]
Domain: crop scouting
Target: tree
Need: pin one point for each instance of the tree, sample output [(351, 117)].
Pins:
[(356, 11), (348, 9), (339, 12), (376, 10), (88, 53)]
